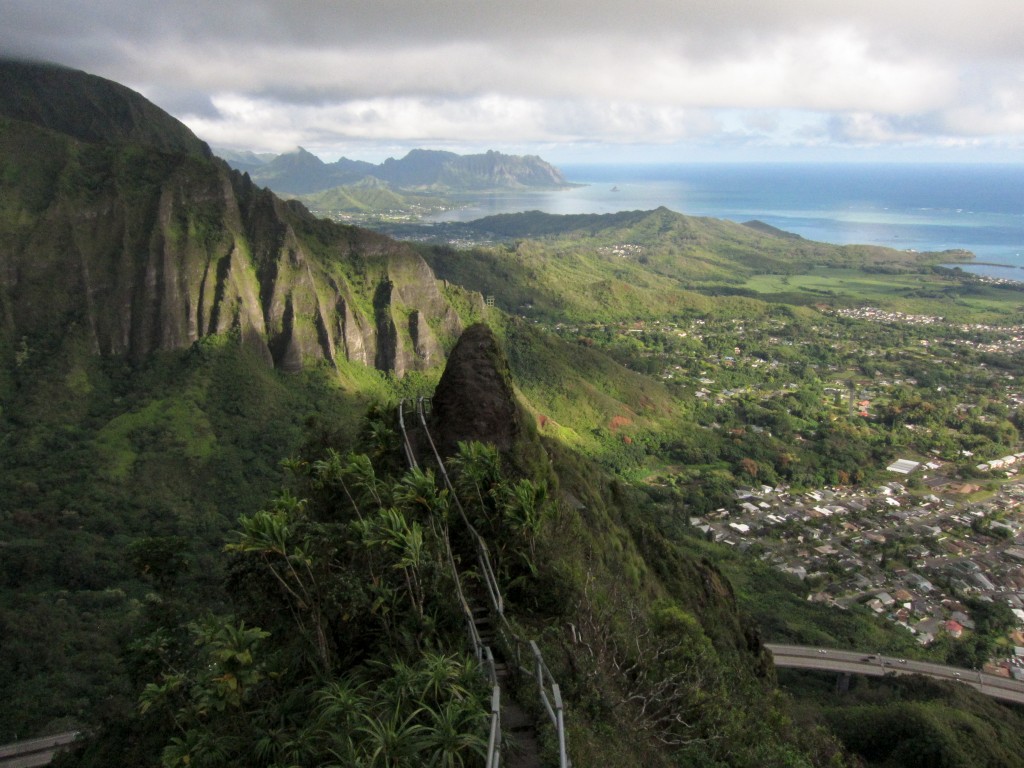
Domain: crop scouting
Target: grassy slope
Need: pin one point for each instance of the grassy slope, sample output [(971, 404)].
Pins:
[(646, 264), (912, 721), (368, 198)]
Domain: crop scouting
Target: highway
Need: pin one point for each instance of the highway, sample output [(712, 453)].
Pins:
[(34, 752), (876, 664)]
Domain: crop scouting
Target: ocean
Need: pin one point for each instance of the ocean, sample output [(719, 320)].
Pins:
[(922, 207)]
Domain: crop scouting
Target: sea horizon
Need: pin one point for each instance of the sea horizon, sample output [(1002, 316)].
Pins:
[(906, 206)]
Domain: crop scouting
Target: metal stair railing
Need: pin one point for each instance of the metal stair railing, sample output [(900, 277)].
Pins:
[(552, 703), (494, 739), (483, 653), (410, 456)]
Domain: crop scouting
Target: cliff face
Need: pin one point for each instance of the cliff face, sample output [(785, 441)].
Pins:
[(144, 245), (474, 398)]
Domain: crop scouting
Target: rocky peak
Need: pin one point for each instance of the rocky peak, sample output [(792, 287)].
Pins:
[(474, 399)]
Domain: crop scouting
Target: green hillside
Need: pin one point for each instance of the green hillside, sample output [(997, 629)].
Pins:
[(644, 264), (372, 200)]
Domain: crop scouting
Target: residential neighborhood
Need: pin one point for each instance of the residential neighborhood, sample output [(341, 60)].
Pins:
[(904, 555)]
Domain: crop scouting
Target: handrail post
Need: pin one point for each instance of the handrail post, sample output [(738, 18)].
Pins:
[(563, 752), (494, 742)]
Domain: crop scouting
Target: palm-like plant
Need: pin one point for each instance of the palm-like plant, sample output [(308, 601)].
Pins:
[(419, 709), (477, 468), (441, 677), (340, 706), (403, 540), (454, 735), (328, 473), (283, 538), (394, 741), (418, 491), (524, 507), (367, 487)]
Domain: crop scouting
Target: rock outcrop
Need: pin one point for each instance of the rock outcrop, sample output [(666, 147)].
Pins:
[(475, 401), (125, 232)]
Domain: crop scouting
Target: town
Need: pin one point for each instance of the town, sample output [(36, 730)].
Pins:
[(924, 539)]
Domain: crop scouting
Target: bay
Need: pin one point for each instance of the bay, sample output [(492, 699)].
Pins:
[(922, 207)]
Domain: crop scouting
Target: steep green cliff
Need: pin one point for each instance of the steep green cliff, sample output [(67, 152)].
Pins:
[(137, 241)]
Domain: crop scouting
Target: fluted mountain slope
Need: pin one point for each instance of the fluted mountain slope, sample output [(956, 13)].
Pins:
[(130, 234)]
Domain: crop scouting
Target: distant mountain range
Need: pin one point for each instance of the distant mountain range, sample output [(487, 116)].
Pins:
[(301, 172)]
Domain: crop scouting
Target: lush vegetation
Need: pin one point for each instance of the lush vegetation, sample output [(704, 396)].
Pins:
[(912, 721), (97, 456), (154, 460), (178, 587)]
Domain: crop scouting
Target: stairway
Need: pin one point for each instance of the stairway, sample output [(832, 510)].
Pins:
[(520, 748)]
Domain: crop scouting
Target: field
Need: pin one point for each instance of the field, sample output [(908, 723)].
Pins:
[(956, 297)]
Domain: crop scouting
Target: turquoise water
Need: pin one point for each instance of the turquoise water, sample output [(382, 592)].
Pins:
[(979, 208)]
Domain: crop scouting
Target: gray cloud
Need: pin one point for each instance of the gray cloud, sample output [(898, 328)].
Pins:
[(268, 74)]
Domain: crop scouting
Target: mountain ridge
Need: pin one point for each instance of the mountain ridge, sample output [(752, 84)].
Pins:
[(94, 110), (129, 233), (300, 172)]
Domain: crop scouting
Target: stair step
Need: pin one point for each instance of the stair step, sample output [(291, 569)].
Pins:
[(514, 719)]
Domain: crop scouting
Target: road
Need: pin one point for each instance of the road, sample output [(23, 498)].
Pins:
[(876, 664), (34, 752)]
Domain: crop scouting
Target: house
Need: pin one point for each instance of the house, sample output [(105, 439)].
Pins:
[(983, 582), (903, 466), (963, 619), (1015, 552), (954, 628)]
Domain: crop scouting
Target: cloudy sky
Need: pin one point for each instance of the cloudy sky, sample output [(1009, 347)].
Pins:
[(571, 80)]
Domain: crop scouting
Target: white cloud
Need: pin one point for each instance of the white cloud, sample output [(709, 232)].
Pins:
[(275, 73)]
